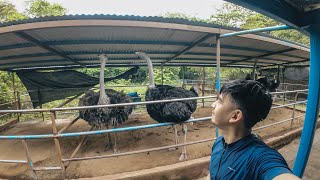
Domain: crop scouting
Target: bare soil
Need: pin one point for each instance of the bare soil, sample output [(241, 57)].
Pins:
[(43, 152)]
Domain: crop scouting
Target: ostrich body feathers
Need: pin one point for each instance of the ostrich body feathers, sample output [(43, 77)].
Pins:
[(171, 111), (101, 117)]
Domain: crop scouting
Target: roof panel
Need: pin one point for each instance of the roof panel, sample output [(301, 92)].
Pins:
[(19, 51), (112, 33), (82, 38), (117, 48), (11, 39)]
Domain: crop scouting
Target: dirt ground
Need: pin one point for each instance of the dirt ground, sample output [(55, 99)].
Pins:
[(43, 152)]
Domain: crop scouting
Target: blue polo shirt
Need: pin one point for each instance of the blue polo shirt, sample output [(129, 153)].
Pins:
[(247, 158)]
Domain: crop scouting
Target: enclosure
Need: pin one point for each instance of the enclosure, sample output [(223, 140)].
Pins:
[(69, 148)]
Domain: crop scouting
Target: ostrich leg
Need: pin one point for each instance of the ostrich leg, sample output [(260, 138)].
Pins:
[(176, 138), (184, 150), (115, 149), (109, 145)]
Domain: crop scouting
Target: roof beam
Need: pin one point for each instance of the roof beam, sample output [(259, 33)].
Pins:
[(128, 52), (84, 42), (35, 41), (194, 44), (264, 55), (288, 63), (121, 65), (128, 61), (252, 31)]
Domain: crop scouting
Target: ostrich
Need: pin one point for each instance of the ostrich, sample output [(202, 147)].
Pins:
[(105, 117), (176, 112), (272, 85)]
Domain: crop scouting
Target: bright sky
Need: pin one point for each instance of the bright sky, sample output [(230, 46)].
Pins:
[(199, 8)]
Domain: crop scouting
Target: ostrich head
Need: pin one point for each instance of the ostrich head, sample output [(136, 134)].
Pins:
[(196, 88), (143, 56), (103, 98)]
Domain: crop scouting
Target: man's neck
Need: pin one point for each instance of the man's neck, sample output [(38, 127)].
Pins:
[(234, 134)]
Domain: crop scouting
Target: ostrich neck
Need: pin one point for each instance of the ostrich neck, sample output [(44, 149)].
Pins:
[(151, 77), (103, 98)]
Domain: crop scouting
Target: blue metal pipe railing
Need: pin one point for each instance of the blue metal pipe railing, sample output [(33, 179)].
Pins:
[(312, 106), (99, 131), (274, 28), (11, 137)]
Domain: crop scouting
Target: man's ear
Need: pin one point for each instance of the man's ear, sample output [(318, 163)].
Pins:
[(237, 116)]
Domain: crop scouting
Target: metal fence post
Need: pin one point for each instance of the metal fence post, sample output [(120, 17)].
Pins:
[(294, 109)]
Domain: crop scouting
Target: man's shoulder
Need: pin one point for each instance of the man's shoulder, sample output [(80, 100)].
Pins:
[(261, 148)]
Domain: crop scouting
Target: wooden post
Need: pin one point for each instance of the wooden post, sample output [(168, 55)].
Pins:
[(203, 83), (77, 148), (56, 141), (33, 173), (285, 94), (18, 104), (183, 77), (14, 94), (294, 109)]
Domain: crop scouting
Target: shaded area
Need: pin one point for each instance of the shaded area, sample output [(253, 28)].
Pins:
[(45, 87)]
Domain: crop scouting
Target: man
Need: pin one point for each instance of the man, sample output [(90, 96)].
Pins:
[(238, 154)]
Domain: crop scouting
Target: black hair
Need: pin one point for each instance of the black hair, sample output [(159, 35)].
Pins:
[(251, 97)]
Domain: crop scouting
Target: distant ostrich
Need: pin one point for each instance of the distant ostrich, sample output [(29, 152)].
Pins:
[(176, 112), (105, 117), (272, 85)]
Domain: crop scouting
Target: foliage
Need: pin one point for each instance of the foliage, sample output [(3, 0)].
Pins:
[(38, 8), (182, 16), (234, 73), (8, 12), (6, 88), (230, 15)]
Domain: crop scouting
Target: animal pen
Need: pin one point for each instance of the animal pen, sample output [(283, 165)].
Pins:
[(70, 42)]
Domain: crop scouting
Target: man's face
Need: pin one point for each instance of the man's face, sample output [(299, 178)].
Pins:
[(223, 111)]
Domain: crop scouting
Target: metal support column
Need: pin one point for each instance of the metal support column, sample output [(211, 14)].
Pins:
[(218, 71), (254, 69), (312, 105)]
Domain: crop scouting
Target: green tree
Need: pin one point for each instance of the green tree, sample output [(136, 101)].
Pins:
[(231, 15), (182, 16), (38, 8), (8, 12)]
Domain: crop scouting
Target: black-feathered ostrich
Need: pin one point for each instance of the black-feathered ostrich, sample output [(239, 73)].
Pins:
[(105, 117), (272, 85), (176, 112)]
